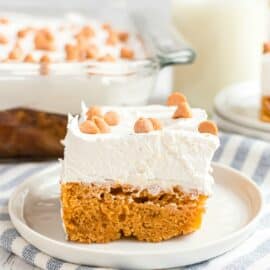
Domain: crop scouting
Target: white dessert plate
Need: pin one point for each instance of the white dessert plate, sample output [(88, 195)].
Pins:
[(231, 217), (229, 126), (240, 104)]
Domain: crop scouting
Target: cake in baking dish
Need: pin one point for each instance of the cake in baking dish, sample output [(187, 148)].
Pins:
[(141, 172), (72, 38)]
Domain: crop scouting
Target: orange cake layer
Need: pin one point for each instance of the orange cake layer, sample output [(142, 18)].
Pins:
[(265, 109), (96, 213)]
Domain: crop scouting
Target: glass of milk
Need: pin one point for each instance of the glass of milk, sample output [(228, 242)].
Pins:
[(227, 36)]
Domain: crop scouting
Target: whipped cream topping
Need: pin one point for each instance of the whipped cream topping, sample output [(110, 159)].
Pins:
[(176, 155), (64, 30), (265, 75)]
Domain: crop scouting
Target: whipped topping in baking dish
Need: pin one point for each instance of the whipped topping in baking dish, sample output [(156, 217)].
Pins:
[(71, 38), (178, 154)]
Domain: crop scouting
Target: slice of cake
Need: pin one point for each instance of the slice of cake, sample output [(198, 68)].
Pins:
[(265, 88), (142, 172)]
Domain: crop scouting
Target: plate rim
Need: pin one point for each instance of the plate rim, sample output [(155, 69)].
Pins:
[(233, 117), (17, 222), (239, 129)]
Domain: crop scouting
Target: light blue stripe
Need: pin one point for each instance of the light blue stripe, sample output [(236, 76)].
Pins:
[(197, 266), (29, 253), (262, 167), (243, 262), (241, 153), (54, 264), (7, 238), (4, 217), (3, 202), (83, 267), (224, 138), (18, 179), (6, 169)]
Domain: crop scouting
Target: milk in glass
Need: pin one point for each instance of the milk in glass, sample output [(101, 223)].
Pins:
[(227, 36)]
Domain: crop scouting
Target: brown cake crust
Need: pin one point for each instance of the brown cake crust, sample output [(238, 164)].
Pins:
[(94, 213), (26, 133)]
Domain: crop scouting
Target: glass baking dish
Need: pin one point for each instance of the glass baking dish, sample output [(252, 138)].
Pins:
[(34, 104)]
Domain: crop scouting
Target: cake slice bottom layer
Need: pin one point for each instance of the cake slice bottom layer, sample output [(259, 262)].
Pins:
[(96, 213), (265, 109)]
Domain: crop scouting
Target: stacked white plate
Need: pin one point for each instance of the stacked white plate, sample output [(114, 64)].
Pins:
[(236, 109)]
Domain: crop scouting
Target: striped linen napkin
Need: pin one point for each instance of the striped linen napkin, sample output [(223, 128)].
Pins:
[(248, 155)]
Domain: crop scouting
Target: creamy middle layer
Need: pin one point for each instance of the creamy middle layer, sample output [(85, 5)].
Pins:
[(176, 155)]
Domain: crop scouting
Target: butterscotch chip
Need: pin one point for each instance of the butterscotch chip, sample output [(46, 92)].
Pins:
[(3, 39), (23, 32), (86, 31), (4, 21), (72, 52), (123, 36), (89, 127), (112, 38), (176, 99), (28, 59), (266, 47), (101, 124), (156, 123), (127, 53), (111, 118), (45, 59), (208, 127), (47, 34), (15, 53), (106, 27), (143, 125), (44, 40), (91, 52), (93, 111), (183, 111), (106, 58)]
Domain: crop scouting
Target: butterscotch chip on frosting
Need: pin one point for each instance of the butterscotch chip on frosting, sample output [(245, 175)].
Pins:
[(106, 27), (93, 111), (143, 125), (86, 31), (183, 111), (15, 53), (157, 125), (3, 39), (208, 127), (111, 118), (107, 58), (176, 99), (44, 61), (89, 127), (112, 38), (23, 32), (123, 36), (266, 47), (101, 124), (4, 21), (44, 40), (91, 52), (29, 59), (127, 53), (72, 52)]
